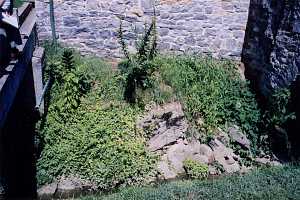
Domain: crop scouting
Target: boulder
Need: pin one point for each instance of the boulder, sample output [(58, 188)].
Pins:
[(237, 136), (200, 158), (245, 170), (166, 172), (47, 192), (177, 154), (67, 188), (166, 138), (212, 171), (2, 191), (172, 162), (225, 156), (206, 151), (267, 161), (202, 151), (223, 137), (72, 187), (164, 124)]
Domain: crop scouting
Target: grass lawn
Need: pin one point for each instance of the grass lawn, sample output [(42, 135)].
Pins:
[(266, 184), (18, 3)]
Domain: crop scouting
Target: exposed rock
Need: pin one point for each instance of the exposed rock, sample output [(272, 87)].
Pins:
[(166, 125), (200, 158), (222, 136), (271, 50), (171, 164), (238, 136), (212, 170), (47, 192), (68, 188), (166, 138), (202, 151), (177, 154), (65, 188), (165, 169), (2, 191), (225, 156), (267, 161), (205, 150)]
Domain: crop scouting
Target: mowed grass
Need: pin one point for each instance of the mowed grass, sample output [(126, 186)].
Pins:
[(265, 184)]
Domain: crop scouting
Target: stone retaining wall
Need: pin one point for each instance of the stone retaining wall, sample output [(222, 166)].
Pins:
[(215, 27)]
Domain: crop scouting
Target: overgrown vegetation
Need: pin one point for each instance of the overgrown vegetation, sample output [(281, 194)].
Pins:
[(90, 127), (267, 184), (97, 143), (88, 131), (212, 92)]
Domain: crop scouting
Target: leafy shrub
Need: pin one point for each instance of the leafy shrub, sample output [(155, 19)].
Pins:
[(74, 84), (195, 169), (212, 90), (137, 68), (70, 80)]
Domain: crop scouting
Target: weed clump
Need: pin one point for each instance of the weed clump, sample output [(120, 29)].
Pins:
[(89, 131), (138, 68), (195, 169)]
